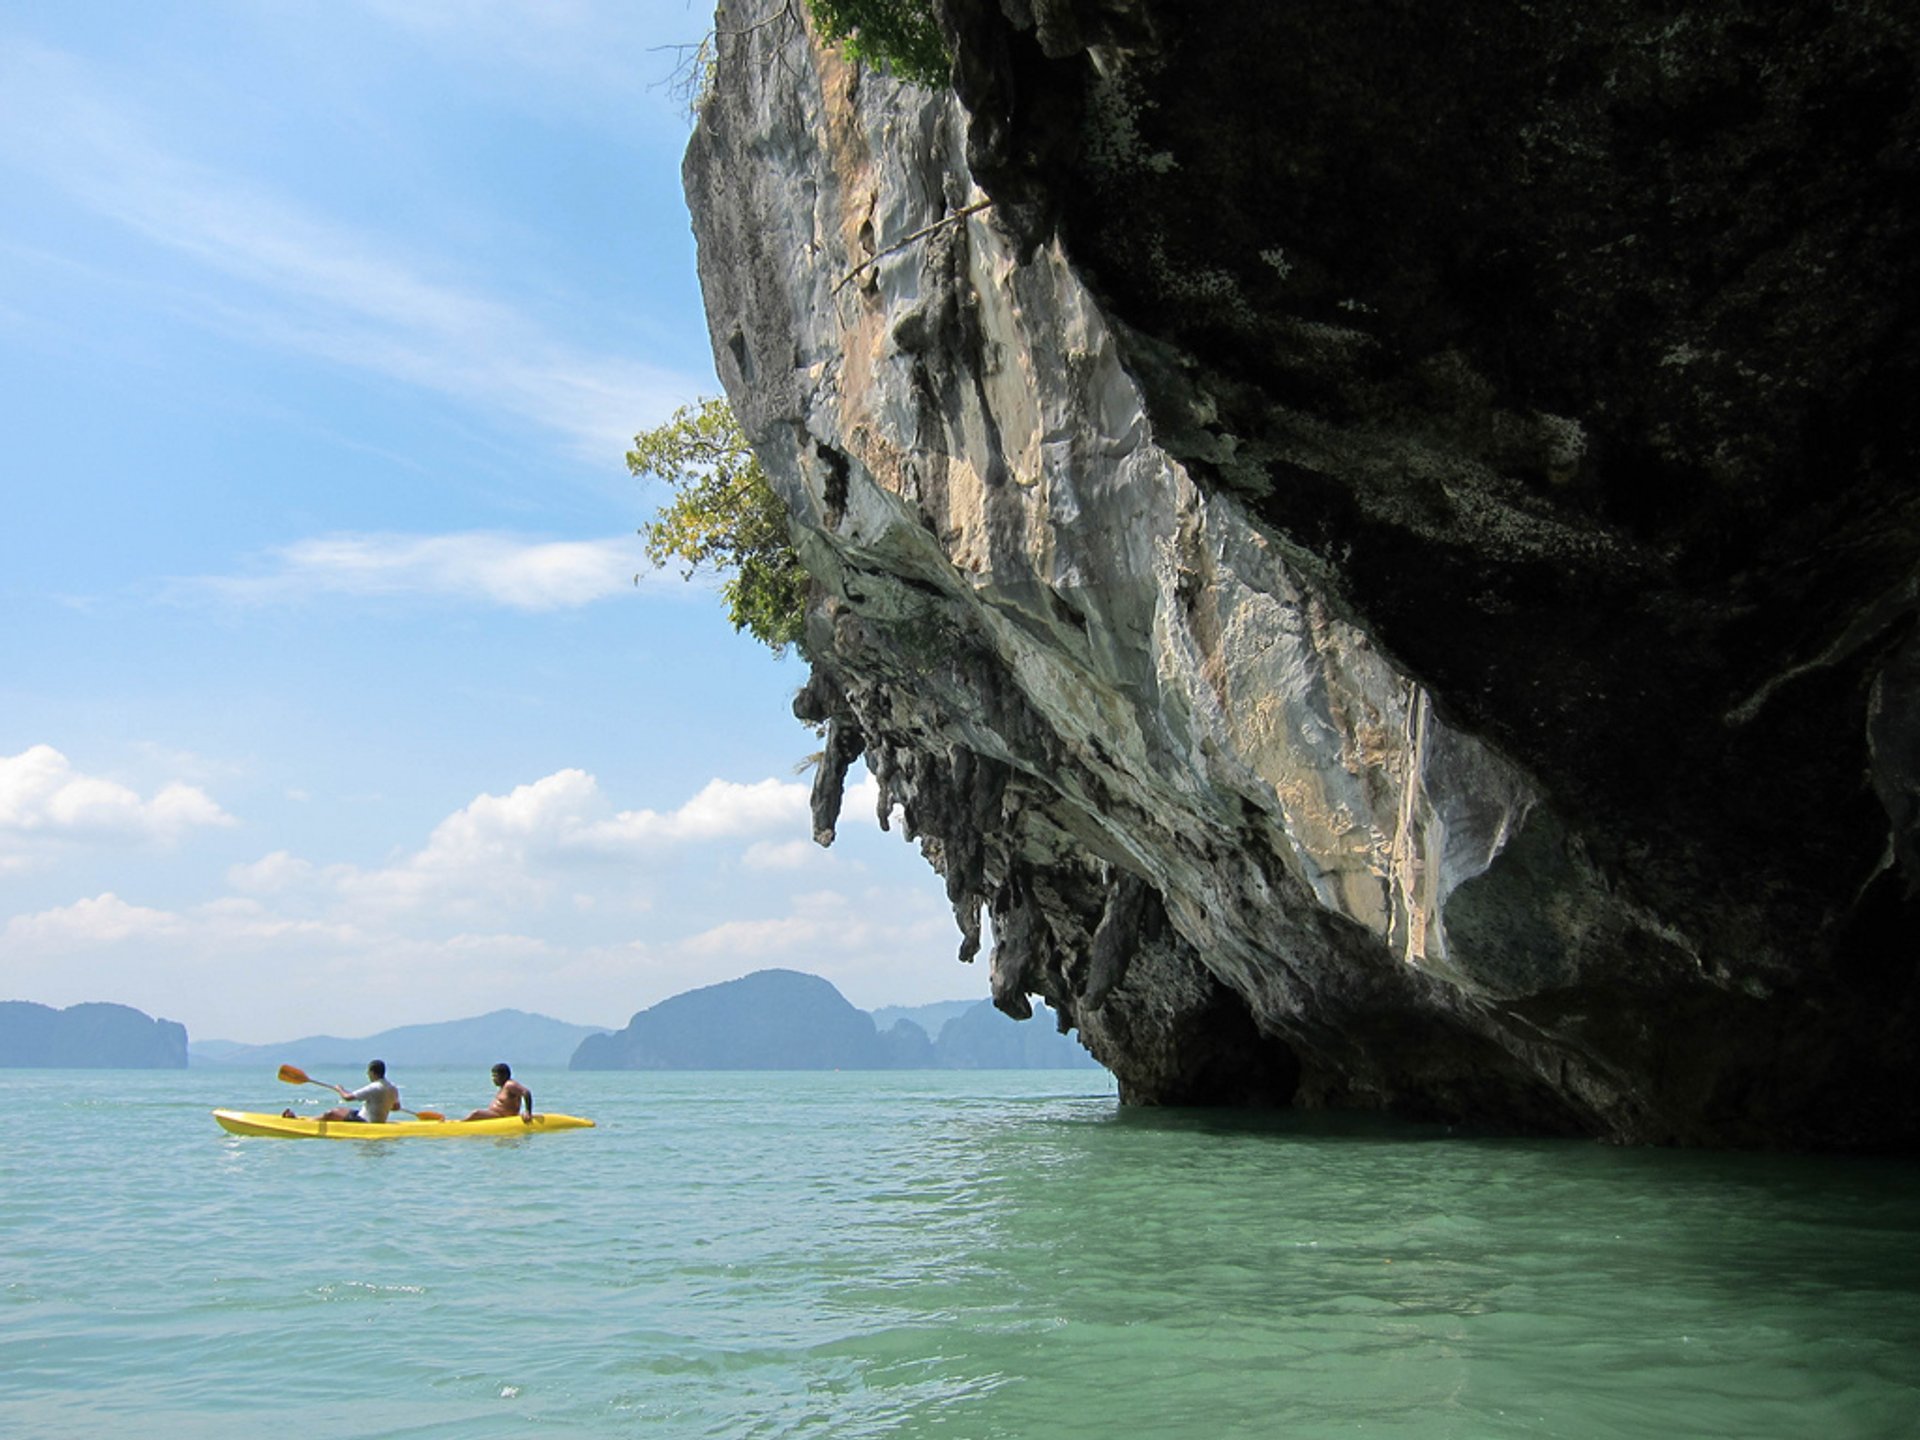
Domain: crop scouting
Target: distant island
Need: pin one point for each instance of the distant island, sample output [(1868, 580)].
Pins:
[(769, 1020), (786, 1020), (88, 1037), (519, 1038), (928, 1017)]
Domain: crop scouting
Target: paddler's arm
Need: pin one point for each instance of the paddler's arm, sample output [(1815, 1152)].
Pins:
[(526, 1099)]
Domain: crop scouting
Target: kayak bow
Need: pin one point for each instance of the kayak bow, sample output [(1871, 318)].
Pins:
[(281, 1127)]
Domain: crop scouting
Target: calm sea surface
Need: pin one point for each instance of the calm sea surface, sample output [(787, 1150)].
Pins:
[(943, 1254)]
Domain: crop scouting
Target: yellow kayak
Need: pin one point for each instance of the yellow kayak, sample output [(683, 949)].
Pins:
[(280, 1127)]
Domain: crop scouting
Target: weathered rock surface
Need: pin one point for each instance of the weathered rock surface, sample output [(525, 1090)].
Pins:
[(1377, 545)]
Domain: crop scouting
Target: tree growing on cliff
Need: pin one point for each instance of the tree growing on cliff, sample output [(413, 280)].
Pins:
[(899, 37), (724, 517)]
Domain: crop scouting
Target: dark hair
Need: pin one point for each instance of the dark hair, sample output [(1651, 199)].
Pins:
[(377, 1069), (503, 1069)]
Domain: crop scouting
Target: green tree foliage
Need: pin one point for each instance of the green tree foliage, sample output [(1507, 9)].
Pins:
[(896, 36), (724, 516)]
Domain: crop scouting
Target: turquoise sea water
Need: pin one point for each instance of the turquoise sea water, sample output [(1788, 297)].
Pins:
[(941, 1254)]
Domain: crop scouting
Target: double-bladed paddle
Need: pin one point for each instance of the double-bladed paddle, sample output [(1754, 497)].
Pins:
[(294, 1075)]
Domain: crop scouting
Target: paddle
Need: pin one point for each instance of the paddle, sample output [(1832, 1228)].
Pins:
[(294, 1075)]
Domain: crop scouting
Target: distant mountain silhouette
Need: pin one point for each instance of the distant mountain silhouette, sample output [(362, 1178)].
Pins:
[(88, 1037), (981, 1038), (909, 1047), (769, 1020), (785, 1020), (929, 1018), (514, 1036)]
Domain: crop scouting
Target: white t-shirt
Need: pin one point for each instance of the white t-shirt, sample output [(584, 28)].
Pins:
[(377, 1099)]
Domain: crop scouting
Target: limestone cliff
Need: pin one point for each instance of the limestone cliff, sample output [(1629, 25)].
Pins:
[(1376, 545)]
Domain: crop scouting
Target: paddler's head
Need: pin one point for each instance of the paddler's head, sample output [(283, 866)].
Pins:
[(376, 1070), (502, 1073)]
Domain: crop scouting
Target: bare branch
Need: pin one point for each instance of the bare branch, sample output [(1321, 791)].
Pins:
[(954, 219)]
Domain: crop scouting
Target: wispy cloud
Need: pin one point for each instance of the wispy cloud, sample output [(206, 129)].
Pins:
[(572, 53), (104, 919), (784, 855), (858, 941), (819, 922), (513, 571), (313, 284)]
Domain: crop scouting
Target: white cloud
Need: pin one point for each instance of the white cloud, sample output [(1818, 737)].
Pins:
[(724, 809), (875, 945), (545, 897), (106, 919), (43, 797), (861, 801), (565, 812), (506, 570), (782, 855), (822, 921), (272, 874), (814, 917), (528, 847)]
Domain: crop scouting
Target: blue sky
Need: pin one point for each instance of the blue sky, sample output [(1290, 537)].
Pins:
[(328, 698)]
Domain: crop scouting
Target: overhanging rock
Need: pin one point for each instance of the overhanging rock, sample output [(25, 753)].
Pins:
[(1324, 705)]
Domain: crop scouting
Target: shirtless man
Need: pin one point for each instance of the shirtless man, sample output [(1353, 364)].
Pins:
[(511, 1097)]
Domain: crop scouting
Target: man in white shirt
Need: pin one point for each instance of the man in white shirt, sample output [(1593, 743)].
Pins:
[(375, 1100)]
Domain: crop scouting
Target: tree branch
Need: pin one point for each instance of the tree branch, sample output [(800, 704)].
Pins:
[(874, 259)]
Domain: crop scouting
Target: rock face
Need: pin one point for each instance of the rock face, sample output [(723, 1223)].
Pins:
[(1376, 545), (88, 1037)]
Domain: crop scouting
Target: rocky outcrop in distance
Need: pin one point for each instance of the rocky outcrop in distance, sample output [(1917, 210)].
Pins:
[(786, 1020), (88, 1037), (1377, 544), (515, 1036)]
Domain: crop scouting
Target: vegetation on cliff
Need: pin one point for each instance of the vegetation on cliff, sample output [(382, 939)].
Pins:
[(898, 37), (724, 517)]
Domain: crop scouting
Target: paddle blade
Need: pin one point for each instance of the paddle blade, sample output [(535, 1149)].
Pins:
[(428, 1115), (294, 1075)]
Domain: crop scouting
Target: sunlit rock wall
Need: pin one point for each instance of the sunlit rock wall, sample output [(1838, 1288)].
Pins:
[(1144, 727)]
